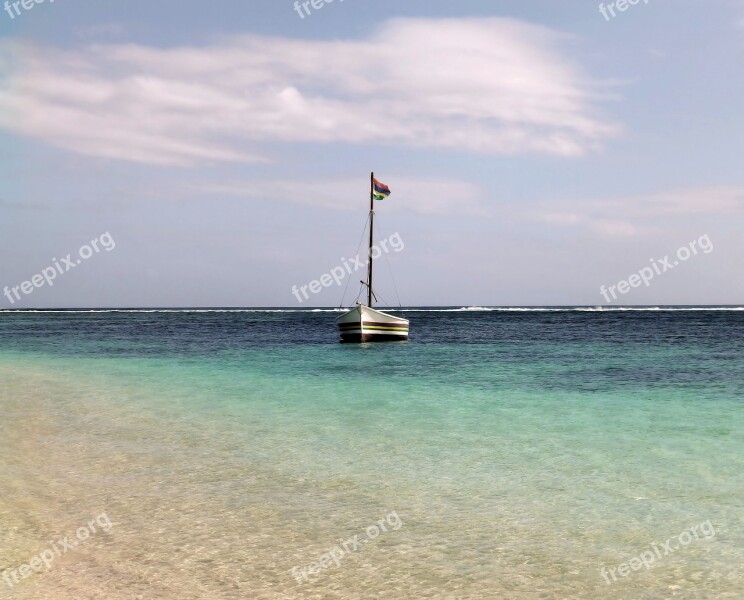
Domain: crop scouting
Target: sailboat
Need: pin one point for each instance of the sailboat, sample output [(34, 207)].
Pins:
[(364, 323)]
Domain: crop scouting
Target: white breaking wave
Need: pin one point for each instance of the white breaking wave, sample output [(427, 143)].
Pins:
[(418, 310), (576, 309), (175, 310)]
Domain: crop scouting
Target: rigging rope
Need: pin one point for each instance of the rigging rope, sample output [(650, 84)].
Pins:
[(395, 287), (348, 281)]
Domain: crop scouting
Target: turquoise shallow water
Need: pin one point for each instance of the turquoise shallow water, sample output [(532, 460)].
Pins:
[(522, 450)]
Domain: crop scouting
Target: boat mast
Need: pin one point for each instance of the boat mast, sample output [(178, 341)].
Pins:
[(371, 236)]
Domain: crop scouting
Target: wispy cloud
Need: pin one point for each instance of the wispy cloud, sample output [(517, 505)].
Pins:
[(492, 85), (102, 30), (641, 214), (422, 196)]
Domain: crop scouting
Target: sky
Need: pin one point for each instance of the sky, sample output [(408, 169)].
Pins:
[(536, 151)]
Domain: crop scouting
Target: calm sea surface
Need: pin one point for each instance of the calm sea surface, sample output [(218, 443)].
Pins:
[(508, 453)]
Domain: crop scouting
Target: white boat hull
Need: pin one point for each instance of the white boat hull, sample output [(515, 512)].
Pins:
[(365, 324)]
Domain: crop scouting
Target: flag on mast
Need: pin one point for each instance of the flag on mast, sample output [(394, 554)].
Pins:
[(380, 190)]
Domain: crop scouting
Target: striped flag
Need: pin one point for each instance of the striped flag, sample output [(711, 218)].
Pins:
[(380, 190)]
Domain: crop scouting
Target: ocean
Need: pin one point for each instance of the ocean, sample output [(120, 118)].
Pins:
[(514, 453)]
